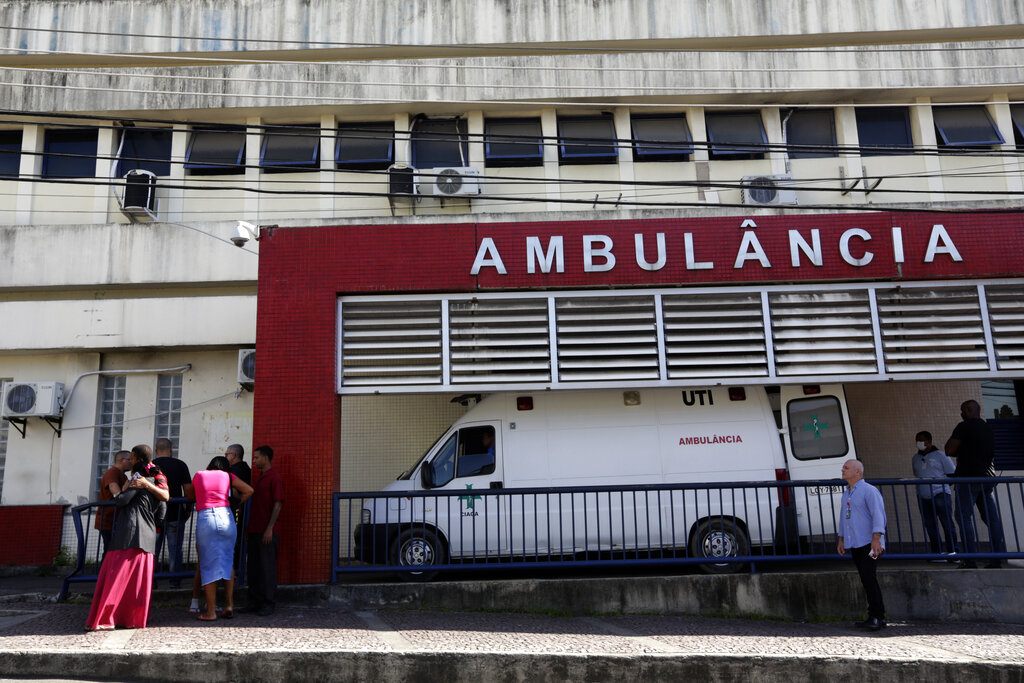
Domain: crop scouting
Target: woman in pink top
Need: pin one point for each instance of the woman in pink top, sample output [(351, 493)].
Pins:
[(215, 532)]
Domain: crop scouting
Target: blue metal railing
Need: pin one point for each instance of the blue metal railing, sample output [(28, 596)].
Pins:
[(90, 547), (720, 526)]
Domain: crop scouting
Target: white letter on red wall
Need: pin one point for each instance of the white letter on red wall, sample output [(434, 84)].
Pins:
[(691, 261), (844, 247), (605, 252), (641, 259), (750, 250), (487, 255), (797, 243), (555, 254), (939, 234)]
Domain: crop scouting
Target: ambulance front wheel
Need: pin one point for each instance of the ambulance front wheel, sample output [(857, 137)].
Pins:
[(720, 538), (417, 548)]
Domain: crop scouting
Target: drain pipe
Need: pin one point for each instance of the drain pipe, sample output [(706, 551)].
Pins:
[(785, 147), (180, 369)]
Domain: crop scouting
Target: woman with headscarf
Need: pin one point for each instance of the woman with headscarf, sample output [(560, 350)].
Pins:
[(215, 533), (125, 582)]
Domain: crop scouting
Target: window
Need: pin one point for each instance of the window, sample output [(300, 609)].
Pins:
[(1017, 115), (365, 146), (965, 127), (10, 153), (513, 142), (291, 148), (69, 153), (810, 133), (816, 428), (736, 135), (216, 151), (168, 409), (587, 140), (1001, 408), (438, 143), (660, 138), (4, 427), (884, 130), (149, 150), (110, 424), (467, 453)]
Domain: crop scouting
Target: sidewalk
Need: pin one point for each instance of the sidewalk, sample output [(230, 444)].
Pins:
[(301, 643)]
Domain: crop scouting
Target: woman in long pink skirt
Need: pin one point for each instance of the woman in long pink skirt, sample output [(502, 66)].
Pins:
[(125, 583)]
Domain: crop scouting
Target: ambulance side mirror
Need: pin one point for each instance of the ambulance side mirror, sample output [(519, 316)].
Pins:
[(427, 475)]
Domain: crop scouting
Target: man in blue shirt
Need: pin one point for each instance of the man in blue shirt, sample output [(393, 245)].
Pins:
[(862, 530)]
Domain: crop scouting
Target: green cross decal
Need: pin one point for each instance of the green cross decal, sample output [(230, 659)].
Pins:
[(815, 426), (470, 505)]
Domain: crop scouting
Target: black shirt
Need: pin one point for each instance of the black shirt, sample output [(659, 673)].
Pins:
[(977, 446), (139, 513), (243, 472), (177, 475)]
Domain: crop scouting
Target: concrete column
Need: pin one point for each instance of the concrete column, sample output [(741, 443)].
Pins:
[(253, 144), (328, 140), (850, 162), (176, 195), (922, 126), (552, 172), (106, 148), (624, 131), (773, 128), (1013, 166), (475, 128), (31, 167), (403, 147), (699, 133)]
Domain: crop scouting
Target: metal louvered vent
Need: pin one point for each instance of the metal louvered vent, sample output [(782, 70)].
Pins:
[(499, 340), (391, 342), (607, 338), (819, 333), (714, 335), (1006, 316), (931, 329)]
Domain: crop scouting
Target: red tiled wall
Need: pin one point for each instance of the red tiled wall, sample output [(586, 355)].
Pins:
[(30, 534), (303, 271)]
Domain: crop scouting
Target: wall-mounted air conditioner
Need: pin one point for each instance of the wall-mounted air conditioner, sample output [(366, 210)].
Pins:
[(449, 182), (31, 399), (247, 366), (768, 190), (139, 196)]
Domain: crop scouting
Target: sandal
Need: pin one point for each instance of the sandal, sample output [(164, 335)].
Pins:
[(194, 610), (205, 618), (228, 614)]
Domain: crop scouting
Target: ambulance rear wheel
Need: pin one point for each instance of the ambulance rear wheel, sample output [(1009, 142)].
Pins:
[(720, 538), (417, 548)]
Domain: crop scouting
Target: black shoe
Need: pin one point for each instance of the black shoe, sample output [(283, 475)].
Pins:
[(265, 611), (871, 623), (994, 564), (968, 564)]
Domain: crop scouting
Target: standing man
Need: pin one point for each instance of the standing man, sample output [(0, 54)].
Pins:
[(973, 445), (113, 481), (934, 500), (235, 454), (179, 483), (262, 541), (862, 530)]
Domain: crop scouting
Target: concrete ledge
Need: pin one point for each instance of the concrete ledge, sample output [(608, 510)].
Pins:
[(992, 595), (489, 666)]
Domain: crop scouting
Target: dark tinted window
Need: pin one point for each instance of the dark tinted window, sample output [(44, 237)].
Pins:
[(365, 146), (439, 143), (291, 147), (149, 150), (811, 133), (660, 138), (513, 142), (736, 135), (965, 127), (1017, 114), (70, 153), (587, 140), (884, 130), (10, 153), (816, 428), (216, 151)]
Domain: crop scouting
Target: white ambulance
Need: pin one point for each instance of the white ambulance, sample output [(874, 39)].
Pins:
[(627, 447)]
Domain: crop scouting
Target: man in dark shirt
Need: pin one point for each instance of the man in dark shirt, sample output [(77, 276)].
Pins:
[(264, 507), (113, 481), (179, 482), (235, 454), (973, 445)]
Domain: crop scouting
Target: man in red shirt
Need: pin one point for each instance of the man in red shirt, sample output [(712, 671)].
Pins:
[(113, 481), (264, 508)]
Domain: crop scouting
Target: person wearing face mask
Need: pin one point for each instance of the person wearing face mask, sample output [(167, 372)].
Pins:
[(934, 500)]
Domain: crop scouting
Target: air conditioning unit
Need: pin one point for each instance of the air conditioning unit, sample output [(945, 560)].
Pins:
[(450, 182), (139, 198), (31, 399), (768, 190), (401, 180), (247, 366)]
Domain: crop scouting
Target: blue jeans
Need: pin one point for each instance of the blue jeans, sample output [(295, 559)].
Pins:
[(173, 536), (938, 508), (967, 497)]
